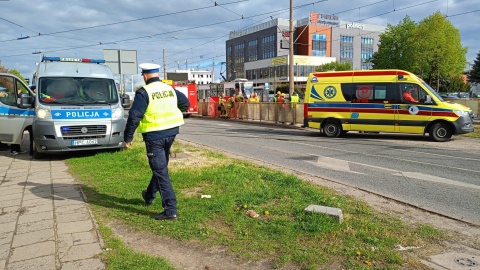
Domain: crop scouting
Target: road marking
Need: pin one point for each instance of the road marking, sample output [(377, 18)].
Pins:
[(342, 165), (436, 179)]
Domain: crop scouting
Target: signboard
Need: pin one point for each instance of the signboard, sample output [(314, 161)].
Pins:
[(324, 19), (279, 61), (121, 61)]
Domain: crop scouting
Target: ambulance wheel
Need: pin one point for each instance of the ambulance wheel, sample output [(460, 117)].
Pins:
[(332, 129), (440, 132)]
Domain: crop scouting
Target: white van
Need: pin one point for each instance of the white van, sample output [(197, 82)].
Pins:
[(76, 106), (14, 119)]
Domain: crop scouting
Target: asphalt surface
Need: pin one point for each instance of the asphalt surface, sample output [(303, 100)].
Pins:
[(407, 168)]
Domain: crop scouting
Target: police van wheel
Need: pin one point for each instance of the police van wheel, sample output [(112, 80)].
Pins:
[(332, 129), (36, 154), (440, 132)]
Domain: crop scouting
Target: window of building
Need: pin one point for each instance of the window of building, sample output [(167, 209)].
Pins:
[(319, 45), (252, 50), (268, 47), (346, 49), (367, 52)]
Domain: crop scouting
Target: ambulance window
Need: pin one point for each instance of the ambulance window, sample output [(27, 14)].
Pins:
[(347, 91), (372, 92)]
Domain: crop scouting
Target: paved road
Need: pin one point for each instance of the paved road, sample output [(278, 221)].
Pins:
[(407, 168), (44, 221)]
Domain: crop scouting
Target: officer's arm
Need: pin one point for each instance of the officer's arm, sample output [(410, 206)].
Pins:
[(182, 101), (135, 115)]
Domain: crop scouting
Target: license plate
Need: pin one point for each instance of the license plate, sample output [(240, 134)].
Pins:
[(84, 142)]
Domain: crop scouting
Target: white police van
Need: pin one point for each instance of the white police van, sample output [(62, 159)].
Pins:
[(76, 106), (13, 118)]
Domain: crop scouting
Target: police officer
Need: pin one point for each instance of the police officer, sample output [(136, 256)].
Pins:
[(156, 113)]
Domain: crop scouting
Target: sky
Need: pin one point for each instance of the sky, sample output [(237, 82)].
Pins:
[(190, 33)]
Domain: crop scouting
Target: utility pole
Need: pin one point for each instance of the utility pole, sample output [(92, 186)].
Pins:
[(290, 55), (164, 66)]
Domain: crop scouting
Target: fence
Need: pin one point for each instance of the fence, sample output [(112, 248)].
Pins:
[(288, 113)]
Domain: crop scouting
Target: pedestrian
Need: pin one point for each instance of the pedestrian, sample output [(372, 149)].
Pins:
[(254, 98), (231, 107), (281, 107), (294, 99), (156, 113), (222, 106), (239, 99)]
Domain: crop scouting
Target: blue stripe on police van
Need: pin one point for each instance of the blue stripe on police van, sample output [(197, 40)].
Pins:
[(81, 114), (16, 112)]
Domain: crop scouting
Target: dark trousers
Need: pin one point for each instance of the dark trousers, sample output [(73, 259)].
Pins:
[(158, 152)]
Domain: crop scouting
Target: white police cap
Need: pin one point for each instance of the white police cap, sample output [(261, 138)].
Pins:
[(149, 68)]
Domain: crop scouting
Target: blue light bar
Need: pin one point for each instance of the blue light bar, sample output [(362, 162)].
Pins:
[(65, 59)]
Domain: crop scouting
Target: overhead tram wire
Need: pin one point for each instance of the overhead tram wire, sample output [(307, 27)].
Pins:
[(257, 21), (115, 23), (119, 41)]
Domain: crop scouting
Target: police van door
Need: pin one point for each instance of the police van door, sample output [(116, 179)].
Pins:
[(13, 119)]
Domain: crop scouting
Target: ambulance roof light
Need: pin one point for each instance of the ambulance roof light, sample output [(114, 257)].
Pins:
[(401, 78), (65, 59)]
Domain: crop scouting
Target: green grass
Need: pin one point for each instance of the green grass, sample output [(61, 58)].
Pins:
[(475, 133), (287, 235), (119, 257)]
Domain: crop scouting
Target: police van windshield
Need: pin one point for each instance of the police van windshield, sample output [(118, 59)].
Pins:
[(76, 91)]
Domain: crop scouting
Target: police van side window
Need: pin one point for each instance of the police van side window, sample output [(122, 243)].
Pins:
[(7, 91)]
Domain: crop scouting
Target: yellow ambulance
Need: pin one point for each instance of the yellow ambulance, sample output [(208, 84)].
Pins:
[(381, 101)]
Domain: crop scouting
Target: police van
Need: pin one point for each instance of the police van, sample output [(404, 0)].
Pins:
[(14, 119), (76, 107), (381, 101)]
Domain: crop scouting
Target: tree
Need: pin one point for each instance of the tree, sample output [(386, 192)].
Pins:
[(397, 47), (474, 74), (455, 84), (334, 66), (439, 53), (12, 71), (16, 73)]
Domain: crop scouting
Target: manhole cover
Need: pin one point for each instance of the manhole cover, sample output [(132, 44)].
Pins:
[(466, 262)]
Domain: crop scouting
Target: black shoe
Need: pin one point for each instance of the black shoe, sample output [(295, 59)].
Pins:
[(162, 216), (144, 195)]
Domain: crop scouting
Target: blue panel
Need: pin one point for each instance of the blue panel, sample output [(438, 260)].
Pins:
[(81, 114)]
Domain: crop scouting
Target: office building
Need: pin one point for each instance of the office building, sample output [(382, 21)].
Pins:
[(260, 53)]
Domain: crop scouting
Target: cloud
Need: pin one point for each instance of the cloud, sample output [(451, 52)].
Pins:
[(81, 28)]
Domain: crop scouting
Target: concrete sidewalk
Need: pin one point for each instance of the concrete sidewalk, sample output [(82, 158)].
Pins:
[(45, 222)]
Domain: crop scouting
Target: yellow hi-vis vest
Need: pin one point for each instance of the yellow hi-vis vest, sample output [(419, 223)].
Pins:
[(294, 99), (162, 112)]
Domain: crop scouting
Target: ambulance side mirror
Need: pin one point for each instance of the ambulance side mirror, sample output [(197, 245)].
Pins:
[(125, 101), (428, 99)]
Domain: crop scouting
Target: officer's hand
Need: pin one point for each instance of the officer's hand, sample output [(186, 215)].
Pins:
[(128, 144)]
